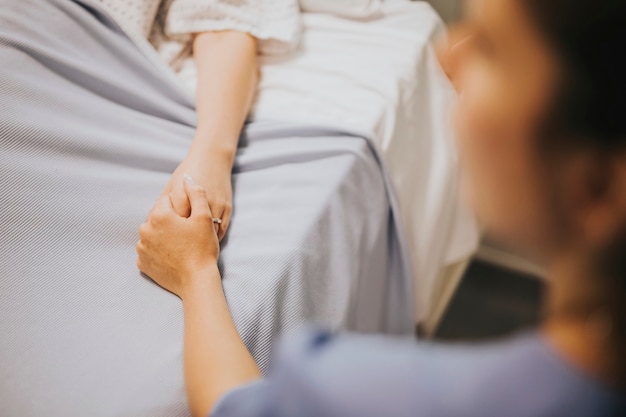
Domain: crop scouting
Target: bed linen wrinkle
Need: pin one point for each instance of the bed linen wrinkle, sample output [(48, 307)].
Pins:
[(81, 165)]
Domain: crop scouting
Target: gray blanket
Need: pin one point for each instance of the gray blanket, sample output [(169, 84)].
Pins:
[(91, 127)]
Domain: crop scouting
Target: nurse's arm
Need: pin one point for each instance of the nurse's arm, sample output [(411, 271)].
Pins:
[(180, 254), (216, 360)]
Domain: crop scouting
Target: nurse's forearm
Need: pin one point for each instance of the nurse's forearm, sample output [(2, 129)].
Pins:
[(216, 360), (227, 78)]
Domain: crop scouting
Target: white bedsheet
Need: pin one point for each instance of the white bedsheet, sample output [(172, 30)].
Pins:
[(381, 78)]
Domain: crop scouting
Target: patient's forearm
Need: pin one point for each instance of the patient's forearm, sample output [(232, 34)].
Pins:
[(216, 360), (227, 78)]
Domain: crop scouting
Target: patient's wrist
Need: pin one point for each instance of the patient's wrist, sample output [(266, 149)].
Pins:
[(214, 147), (213, 163)]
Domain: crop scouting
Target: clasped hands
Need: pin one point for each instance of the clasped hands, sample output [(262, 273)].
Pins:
[(179, 240)]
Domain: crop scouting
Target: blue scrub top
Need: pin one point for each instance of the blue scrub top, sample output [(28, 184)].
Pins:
[(318, 374)]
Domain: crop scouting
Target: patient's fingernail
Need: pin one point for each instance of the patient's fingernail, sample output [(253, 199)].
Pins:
[(188, 179)]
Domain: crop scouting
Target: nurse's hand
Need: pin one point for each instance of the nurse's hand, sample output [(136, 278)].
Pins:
[(176, 251)]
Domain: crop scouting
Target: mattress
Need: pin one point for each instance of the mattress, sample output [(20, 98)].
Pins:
[(380, 77), (90, 131)]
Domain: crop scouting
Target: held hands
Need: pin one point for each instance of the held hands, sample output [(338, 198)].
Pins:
[(175, 250), (214, 174)]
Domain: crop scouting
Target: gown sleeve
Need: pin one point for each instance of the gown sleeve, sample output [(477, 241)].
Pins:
[(275, 23)]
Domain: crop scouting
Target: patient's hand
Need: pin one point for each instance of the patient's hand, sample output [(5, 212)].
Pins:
[(174, 250), (213, 172)]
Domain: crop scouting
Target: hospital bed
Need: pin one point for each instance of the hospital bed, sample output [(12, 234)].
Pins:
[(380, 78), (91, 127)]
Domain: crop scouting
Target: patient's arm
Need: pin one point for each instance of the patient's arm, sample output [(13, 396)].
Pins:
[(227, 77), (180, 254)]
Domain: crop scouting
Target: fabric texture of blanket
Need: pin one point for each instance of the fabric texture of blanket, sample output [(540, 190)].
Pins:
[(91, 127)]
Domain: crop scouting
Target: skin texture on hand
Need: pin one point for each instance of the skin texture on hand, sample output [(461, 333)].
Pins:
[(172, 249), (180, 254), (214, 174)]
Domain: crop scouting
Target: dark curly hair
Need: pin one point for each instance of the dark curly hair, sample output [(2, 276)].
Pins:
[(589, 108), (590, 39)]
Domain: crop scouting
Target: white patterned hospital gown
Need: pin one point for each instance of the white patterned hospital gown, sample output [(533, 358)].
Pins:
[(168, 24)]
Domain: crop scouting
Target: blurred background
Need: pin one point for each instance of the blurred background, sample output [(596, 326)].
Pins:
[(500, 293), (450, 10)]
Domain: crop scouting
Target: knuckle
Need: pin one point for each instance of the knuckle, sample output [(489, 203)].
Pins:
[(200, 191), (176, 197), (143, 230), (158, 216)]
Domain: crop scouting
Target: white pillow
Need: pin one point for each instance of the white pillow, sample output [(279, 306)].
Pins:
[(356, 9)]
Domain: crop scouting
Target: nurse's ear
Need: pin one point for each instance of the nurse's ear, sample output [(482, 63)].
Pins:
[(452, 51), (595, 190)]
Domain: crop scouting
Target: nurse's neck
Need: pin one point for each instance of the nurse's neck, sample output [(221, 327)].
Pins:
[(583, 323)]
